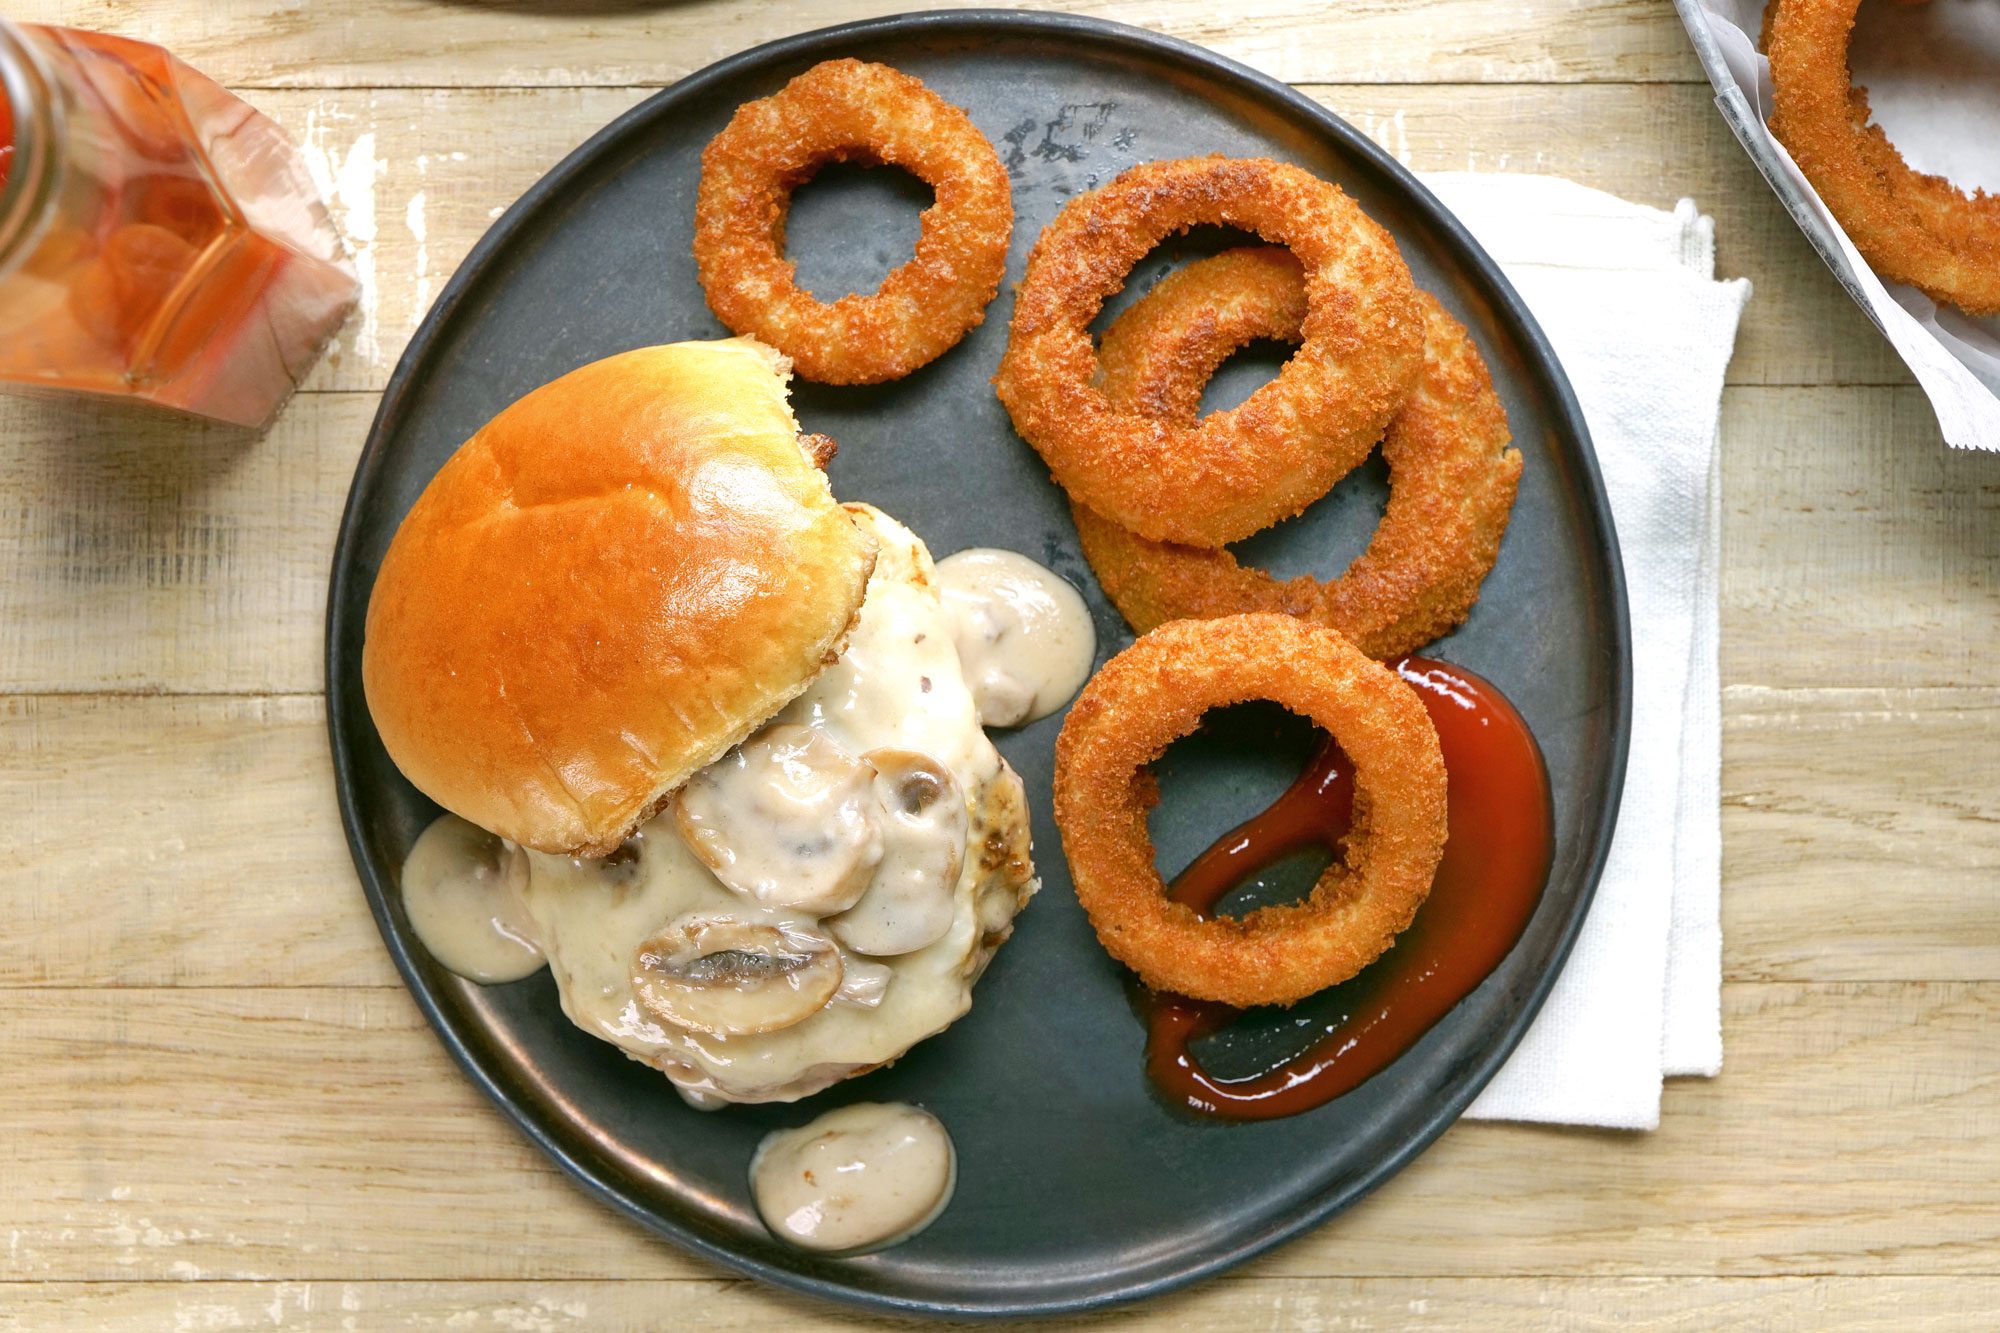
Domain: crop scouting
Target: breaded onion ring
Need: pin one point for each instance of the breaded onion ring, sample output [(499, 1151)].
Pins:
[(1452, 476), (1157, 690), (1911, 227), (850, 111), (1223, 478)]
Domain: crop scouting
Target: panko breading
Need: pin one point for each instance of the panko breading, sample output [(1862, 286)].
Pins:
[(1911, 227), (852, 111), (1157, 690), (1214, 481), (1452, 473)]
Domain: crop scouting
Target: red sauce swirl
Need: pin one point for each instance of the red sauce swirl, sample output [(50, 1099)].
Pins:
[(1496, 859), (6, 138)]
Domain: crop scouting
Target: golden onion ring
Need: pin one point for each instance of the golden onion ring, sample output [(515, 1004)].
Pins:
[(851, 111), (1220, 479), (1452, 476), (1157, 690), (1911, 227)]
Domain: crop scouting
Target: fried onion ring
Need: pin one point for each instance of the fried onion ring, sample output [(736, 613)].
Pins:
[(1911, 227), (1224, 477), (851, 111), (1157, 690), (1452, 476)]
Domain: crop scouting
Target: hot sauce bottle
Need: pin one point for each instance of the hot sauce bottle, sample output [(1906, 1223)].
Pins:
[(160, 240)]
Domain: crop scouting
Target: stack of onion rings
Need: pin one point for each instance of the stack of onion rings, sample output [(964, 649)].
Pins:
[(1157, 690), (1911, 227), (1214, 481), (1452, 475), (842, 111)]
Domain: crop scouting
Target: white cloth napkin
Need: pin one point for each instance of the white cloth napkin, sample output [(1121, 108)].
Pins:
[(1628, 297)]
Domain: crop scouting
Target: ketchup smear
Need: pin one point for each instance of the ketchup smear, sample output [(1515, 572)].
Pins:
[(6, 139), (1496, 859)]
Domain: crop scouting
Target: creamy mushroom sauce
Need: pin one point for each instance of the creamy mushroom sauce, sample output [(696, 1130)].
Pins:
[(1024, 635), (652, 932), (924, 821), (462, 893), (858, 1178)]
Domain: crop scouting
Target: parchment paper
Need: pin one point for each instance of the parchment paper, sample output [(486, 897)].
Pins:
[(1933, 77)]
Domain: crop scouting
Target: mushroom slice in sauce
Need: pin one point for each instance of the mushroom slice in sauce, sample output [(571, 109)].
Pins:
[(787, 820), (910, 903), (728, 977)]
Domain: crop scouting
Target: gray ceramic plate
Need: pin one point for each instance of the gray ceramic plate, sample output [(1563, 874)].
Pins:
[(1078, 1188)]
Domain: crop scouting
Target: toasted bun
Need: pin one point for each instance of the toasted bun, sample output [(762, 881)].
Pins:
[(609, 585)]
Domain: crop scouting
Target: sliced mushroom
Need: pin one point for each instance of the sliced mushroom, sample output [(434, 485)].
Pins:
[(786, 819), (727, 977), (910, 902)]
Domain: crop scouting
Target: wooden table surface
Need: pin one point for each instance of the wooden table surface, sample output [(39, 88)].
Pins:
[(219, 1108)]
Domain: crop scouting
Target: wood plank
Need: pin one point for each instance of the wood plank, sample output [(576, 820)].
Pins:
[(147, 553), (417, 175), (234, 872), (409, 43), (321, 1135), (1845, 854), (1247, 1304), (1895, 536), (210, 824), (1857, 551), (162, 556), (313, 1148)]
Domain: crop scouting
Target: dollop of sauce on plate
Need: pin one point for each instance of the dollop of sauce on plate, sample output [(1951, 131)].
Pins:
[(859, 1178), (462, 892), (1496, 859), (1024, 634)]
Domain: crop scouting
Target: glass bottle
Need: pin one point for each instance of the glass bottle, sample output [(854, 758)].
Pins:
[(160, 240)]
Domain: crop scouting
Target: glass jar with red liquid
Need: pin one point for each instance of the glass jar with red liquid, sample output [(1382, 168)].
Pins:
[(159, 239)]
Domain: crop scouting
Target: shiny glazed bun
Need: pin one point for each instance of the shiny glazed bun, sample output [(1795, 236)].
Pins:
[(610, 584)]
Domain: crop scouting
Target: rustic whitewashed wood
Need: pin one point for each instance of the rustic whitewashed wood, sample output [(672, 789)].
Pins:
[(322, 1134), (1853, 848), (142, 553), (1256, 1305), (422, 43), (220, 1111), (234, 872), (1856, 549), (158, 555)]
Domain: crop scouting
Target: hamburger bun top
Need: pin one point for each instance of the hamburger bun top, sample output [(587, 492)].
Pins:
[(610, 584)]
